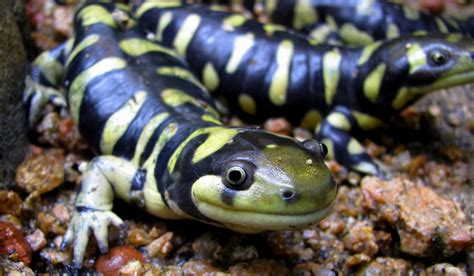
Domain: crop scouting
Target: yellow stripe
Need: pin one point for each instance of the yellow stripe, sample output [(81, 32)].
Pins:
[(164, 21), (441, 26), (51, 68), (78, 86), (146, 134), (331, 61), (339, 120), (270, 6), (311, 119), (179, 72), (392, 31), (175, 97), (137, 47), (210, 77), (168, 132), (373, 82), (86, 42), (368, 51), (218, 137), (232, 21), (354, 147), (247, 104), (353, 36), (411, 13), (94, 14), (186, 33), (416, 57), (242, 45), (304, 14), (280, 80), (365, 121), (146, 6), (118, 123)]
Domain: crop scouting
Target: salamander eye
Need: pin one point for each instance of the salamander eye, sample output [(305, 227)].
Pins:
[(238, 175), (316, 147), (324, 149), (439, 58)]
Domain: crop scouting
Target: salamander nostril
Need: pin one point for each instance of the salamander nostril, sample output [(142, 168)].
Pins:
[(288, 194)]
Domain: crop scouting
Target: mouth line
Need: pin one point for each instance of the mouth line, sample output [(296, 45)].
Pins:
[(450, 81), (261, 221)]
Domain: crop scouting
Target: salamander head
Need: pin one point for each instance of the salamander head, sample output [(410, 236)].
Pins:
[(418, 65), (259, 181)]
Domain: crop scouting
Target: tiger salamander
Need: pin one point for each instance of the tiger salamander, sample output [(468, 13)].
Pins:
[(263, 71), (161, 146)]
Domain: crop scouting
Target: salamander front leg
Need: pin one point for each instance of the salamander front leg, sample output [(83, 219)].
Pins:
[(105, 177), (335, 132)]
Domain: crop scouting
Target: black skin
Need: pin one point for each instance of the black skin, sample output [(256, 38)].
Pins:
[(306, 86)]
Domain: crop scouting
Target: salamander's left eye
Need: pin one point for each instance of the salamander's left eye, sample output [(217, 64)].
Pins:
[(439, 58), (238, 175)]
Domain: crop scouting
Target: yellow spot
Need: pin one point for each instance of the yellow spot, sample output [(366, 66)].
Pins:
[(271, 28), (214, 142), (181, 73), (175, 97), (86, 42), (331, 22), (365, 167), (186, 33), (319, 34), (78, 86), (308, 162), (441, 26), (146, 134), (168, 132), (270, 6), (454, 38), (354, 147), (271, 146), (242, 45), (365, 121), (368, 51), (331, 61), (137, 47), (217, 138), (148, 5), (119, 122), (247, 104), (279, 83), (210, 77), (94, 14), (410, 13), (353, 36), (402, 98), (51, 68), (232, 21), (164, 21), (330, 145), (311, 119), (211, 119), (304, 14), (392, 31), (340, 121), (416, 57), (373, 82)]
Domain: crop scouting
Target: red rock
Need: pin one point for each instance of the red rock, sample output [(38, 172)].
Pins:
[(435, 7), (13, 244), (116, 258)]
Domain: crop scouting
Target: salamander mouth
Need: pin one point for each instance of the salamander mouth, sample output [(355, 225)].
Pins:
[(450, 81), (251, 222)]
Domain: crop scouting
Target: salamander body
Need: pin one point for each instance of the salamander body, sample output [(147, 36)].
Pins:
[(160, 144), (264, 70)]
